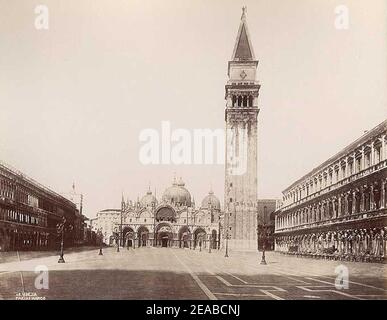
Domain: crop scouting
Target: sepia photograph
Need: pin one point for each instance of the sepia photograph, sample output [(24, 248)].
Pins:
[(204, 153)]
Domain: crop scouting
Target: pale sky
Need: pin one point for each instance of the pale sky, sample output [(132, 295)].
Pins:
[(74, 98)]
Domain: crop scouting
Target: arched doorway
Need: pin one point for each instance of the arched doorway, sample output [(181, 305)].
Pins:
[(184, 237), (128, 236), (2, 240), (142, 236), (164, 235), (199, 237)]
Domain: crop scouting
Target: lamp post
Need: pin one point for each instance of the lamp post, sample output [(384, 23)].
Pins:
[(120, 234), (61, 230), (263, 260), (209, 242), (117, 237), (226, 254), (100, 237), (227, 230), (219, 228)]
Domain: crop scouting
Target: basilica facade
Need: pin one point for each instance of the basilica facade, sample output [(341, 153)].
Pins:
[(172, 221)]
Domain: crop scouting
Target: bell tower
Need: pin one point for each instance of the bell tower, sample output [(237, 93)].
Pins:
[(241, 117)]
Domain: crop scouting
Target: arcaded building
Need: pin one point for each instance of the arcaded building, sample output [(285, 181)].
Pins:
[(172, 221), (339, 209), (29, 213)]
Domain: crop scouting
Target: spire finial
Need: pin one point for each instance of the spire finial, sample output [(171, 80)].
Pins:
[(244, 11)]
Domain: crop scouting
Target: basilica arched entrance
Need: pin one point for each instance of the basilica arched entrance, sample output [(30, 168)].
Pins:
[(184, 237), (199, 237), (128, 236), (142, 236), (164, 235)]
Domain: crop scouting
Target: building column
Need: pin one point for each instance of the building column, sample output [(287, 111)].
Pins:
[(325, 211), (354, 202), (362, 161), (339, 205), (372, 203), (383, 194), (362, 199)]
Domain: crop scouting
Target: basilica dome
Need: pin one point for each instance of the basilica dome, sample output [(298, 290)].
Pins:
[(211, 201), (148, 200), (177, 194)]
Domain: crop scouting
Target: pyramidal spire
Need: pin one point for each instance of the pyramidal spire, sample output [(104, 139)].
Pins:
[(122, 202), (243, 50)]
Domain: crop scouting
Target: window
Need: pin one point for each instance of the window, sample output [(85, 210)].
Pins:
[(358, 164), (350, 168), (245, 101), (368, 160), (343, 172), (377, 154)]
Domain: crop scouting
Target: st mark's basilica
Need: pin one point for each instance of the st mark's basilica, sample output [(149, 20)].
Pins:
[(174, 221)]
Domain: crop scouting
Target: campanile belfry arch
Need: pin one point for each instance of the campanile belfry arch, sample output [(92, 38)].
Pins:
[(241, 116)]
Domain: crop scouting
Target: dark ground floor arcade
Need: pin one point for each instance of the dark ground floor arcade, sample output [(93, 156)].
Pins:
[(24, 238)]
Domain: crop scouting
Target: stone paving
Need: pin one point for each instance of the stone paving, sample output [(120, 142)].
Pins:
[(167, 273)]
